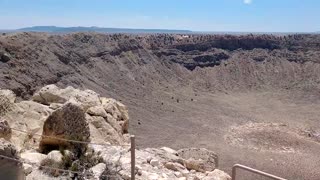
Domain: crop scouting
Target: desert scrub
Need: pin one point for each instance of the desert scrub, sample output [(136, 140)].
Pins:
[(5, 105), (86, 161), (48, 164)]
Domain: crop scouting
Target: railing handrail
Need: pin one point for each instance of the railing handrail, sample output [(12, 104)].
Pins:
[(240, 166)]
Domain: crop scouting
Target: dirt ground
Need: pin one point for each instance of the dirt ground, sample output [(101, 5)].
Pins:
[(270, 131)]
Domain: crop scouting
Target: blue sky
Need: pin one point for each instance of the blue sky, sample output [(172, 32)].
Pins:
[(199, 15)]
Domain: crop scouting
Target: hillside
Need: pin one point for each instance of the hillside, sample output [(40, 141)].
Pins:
[(253, 99)]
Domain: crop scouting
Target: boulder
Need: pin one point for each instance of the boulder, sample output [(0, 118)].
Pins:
[(33, 157), (153, 176), (112, 154), (169, 150), (197, 165), (154, 162), (55, 160), (163, 156), (5, 57), (9, 94), (217, 175), (176, 167), (55, 156), (98, 170), (27, 168), (55, 106), (67, 122), (52, 94), (97, 111), (29, 117), (199, 159)]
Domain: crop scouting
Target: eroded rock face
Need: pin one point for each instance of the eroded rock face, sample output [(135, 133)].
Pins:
[(67, 122), (103, 132), (118, 111)]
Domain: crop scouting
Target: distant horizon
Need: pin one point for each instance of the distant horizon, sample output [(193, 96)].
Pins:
[(170, 29)]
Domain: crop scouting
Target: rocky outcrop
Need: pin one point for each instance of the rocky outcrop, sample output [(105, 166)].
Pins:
[(48, 130), (29, 117), (105, 118), (52, 94), (118, 111), (193, 59)]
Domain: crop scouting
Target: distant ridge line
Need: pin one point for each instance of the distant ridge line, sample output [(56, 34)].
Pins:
[(56, 29)]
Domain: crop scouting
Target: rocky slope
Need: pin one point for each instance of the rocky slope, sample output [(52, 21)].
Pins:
[(215, 84), (64, 116), (102, 62)]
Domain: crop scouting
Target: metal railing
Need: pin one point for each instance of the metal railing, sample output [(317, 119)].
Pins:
[(236, 166)]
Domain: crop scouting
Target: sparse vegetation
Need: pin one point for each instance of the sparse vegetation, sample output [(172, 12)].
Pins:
[(5, 105)]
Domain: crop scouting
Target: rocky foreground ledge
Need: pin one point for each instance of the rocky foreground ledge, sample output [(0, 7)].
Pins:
[(34, 133)]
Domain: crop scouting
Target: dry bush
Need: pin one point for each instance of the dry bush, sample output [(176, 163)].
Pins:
[(5, 105)]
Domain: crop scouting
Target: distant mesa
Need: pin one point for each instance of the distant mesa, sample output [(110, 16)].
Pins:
[(55, 29)]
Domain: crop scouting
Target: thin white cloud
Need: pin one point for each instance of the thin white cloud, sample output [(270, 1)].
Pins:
[(247, 1)]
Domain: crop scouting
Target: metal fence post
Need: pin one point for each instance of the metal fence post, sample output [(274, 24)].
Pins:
[(133, 158)]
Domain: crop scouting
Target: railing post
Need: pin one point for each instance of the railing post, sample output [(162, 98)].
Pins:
[(133, 158), (234, 173)]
